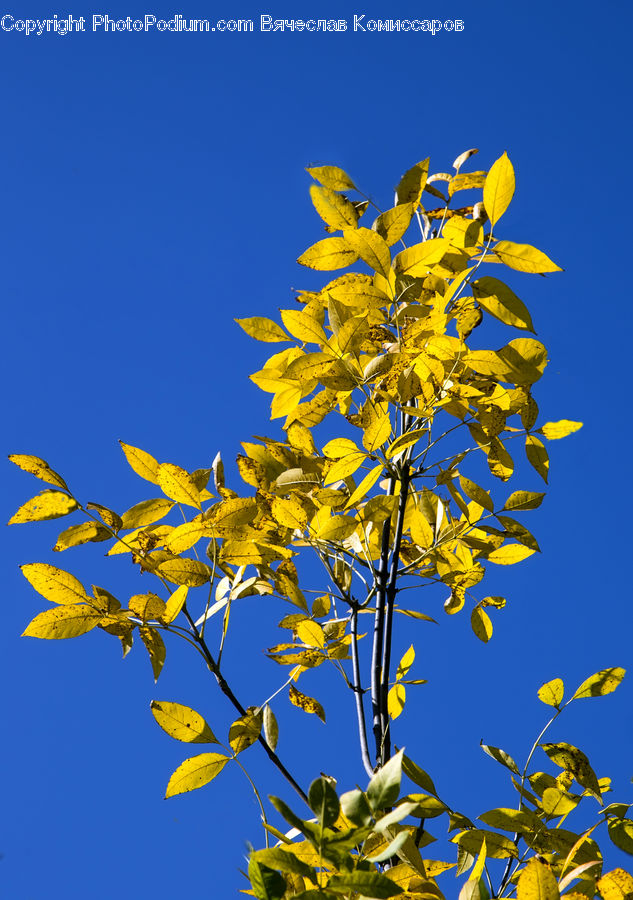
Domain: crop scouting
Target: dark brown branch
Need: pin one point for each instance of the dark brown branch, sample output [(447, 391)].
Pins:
[(389, 607), (226, 690), (379, 624)]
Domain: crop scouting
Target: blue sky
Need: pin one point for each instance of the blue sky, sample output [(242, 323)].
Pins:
[(153, 189)]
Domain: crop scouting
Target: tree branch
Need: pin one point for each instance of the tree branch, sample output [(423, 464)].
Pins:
[(226, 690), (379, 623), (358, 692), (389, 606)]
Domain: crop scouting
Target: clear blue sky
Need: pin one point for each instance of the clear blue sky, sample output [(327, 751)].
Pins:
[(153, 188)]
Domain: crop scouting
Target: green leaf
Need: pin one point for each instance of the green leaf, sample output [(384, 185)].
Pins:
[(603, 682), (497, 846), (195, 772), (369, 884), (551, 692), (356, 807), (283, 859), (417, 775), (182, 723), (384, 787), (324, 802), (46, 505), (621, 834), (266, 883)]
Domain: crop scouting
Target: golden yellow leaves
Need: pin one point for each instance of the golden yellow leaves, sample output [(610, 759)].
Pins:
[(46, 505), (38, 467), (263, 329), (536, 882), (603, 682), (195, 772), (553, 431), (616, 885), (307, 704), (521, 362), (524, 258), (498, 188), (63, 622), (182, 722), (54, 584), (141, 462), (551, 693), (332, 177)]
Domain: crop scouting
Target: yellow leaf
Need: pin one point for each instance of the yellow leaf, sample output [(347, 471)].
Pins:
[(498, 188), (245, 730), (405, 663), (553, 431), (300, 438), (175, 604), (552, 692), (481, 624), (188, 572), (392, 224), (421, 531), (371, 247), (146, 512), (302, 325), (328, 254), (396, 699), (344, 467), (377, 432), (63, 622), (603, 682), (418, 259), (335, 210), (465, 182), (182, 723), (356, 289), (234, 512), (307, 704), (310, 633), (284, 402), (289, 513), (476, 493), (337, 528), (616, 885), (155, 647), (141, 462), (245, 553), (498, 300), (408, 439), (178, 485), (186, 535), (81, 534), (536, 882), (524, 500), (509, 554), (108, 516), (537, 455), (573, 760), (38, 467), (364, 487), (195, 772), (46, 505), (54, 584), (524, 258), (522, 361), (412, 183), (263, 329), (147, 606), (332, 177)]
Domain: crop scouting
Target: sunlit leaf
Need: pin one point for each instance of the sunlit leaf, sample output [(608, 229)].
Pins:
[(603, 682), (553, 431), (46, 505), (307, 704), (499, 188), (182, 723), (178, 485), (536, 882), (524, 258), (551, 692), (263, 329), (63, 622), (38, 467), (141, 462), (195, 772), (54, 584)]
